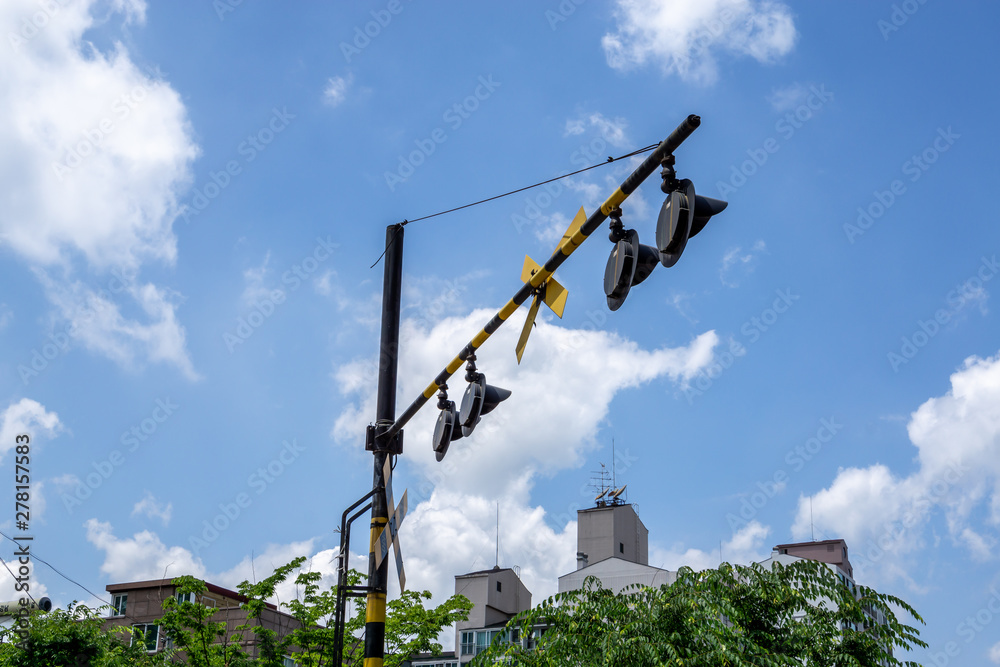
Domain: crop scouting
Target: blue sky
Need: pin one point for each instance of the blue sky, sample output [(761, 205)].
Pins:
[(193, 195)]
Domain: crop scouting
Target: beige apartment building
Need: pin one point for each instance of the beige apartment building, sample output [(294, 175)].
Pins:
[(139, 605)]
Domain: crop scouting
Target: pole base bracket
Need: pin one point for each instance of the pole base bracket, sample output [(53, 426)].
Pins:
[(375, 444)]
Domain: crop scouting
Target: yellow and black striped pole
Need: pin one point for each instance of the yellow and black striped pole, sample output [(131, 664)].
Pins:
[(564, 250), (385, 412)]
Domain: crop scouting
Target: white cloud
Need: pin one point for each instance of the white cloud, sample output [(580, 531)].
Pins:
[(995, 653), (516, 441), (336, 89), (93, 155), (957, 437), (141, 557), (452, 533), (737, 263), (8, 592), (27, 417), (39, 503), (68, 103), (686, 37), (6, 316), (144, 556), (324, 284), (788, 97), (256, 287), (258, 566), (611, 130), (96, 321), (550, 227), (746, 546), (150, 507), (679, 301)]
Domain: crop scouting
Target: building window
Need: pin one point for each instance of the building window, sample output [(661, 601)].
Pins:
[(498, 587), (289, 662), (118, 604), (621, 547), (185, 597), (468, 643), (208, 602), (147, 634), (484, 638)]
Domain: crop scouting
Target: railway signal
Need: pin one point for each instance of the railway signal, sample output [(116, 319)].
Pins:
[(682, 215)]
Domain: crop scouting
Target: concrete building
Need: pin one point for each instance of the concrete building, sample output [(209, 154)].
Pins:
[(612, 544), (825, 551), (832, 552), (497, 595), (139, 605)]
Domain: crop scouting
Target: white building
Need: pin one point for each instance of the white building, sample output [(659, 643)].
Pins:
[(612, 544)]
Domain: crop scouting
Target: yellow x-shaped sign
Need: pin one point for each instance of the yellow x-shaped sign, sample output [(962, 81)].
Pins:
[(550, 291)]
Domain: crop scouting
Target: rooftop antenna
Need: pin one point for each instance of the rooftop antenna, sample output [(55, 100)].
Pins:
[(496, 563), (599, 482), (614, 483), (812, 526)]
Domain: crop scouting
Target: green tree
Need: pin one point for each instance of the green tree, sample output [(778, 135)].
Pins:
[(800, 614), (190, 626), (410, 628), (272, 649), (73, 637), (76, 637)]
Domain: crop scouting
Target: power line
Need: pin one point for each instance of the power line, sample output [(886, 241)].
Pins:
[(514, 192), (15, 579), (35, 556)]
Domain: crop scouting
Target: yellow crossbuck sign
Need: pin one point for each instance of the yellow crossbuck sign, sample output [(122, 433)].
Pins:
[(550, 291), (390, 531)]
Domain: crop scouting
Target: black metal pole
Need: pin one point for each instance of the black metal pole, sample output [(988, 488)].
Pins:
[(385, 414), (343, 592)]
